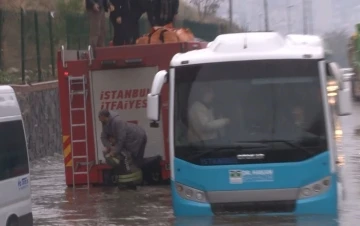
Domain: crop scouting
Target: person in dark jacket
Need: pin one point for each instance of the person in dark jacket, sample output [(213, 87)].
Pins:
[(96, 10), (128, 137), (125, 20), (137, 10), (162, 12)]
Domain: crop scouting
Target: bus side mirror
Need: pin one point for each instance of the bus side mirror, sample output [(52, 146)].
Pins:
[(153, 109), (344, 105), (154, 98)]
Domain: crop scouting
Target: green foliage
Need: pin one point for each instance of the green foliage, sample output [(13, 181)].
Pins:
[(69, 6), (65, 11), (6, 78)]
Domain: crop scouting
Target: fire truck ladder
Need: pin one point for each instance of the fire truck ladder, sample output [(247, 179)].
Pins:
[(80, 81)]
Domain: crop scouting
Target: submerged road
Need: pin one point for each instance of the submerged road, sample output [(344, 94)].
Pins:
[(53, 202)]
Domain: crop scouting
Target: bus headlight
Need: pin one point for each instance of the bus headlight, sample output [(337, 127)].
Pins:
[(314, 189), (332, 88), (189, 193), (338, 132)]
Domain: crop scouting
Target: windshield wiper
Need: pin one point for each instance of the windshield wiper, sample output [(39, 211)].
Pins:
[(237, 146), (289, 143)]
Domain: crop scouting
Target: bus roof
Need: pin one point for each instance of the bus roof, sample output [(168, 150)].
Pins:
[(254, 46)]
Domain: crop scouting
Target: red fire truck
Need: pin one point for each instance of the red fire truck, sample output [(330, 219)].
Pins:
[(119, 79)]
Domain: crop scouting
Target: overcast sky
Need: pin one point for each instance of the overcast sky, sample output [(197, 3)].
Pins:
[(328, 15)]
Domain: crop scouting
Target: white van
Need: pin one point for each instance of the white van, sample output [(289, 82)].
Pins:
[(15, 193)]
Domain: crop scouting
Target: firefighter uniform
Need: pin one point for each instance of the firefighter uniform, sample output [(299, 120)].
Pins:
[(126, 171), (126, 31)]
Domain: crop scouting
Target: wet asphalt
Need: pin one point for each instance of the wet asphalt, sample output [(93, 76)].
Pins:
[(55, 204)]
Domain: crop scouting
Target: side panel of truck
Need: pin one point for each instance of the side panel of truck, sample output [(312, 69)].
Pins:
[(124, 91)]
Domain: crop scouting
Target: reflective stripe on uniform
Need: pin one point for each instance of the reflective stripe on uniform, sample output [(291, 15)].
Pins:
[(137, 176)]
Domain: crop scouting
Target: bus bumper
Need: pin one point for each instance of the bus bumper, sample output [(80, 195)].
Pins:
[(324, 204)]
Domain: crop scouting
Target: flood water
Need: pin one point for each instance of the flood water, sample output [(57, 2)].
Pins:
[(53, 202)]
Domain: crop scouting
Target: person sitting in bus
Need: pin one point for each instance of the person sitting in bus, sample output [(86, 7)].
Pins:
[(127, 136), (203, 127), (124, 16)]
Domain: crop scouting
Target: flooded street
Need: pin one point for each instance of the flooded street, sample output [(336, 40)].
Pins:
[(53, 202)]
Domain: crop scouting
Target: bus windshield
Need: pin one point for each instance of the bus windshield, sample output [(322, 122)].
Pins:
[(261, 111)]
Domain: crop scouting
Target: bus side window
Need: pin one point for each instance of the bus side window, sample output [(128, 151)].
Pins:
[(180, 113), (13, 153)]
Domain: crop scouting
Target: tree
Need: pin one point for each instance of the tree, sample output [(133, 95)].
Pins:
[(206, 8)]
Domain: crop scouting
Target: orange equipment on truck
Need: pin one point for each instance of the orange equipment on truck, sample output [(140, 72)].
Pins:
[(116, 78)]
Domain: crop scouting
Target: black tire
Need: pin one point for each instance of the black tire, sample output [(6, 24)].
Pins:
[(152, 172), (156, 178), (13, 221)]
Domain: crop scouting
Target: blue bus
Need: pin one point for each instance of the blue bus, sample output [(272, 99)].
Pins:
[(251, 126)]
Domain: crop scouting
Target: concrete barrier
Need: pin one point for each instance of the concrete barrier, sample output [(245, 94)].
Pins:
[(40, 107)]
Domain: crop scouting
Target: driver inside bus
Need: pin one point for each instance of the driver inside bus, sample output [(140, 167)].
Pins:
[(203, 126), (293, 125)]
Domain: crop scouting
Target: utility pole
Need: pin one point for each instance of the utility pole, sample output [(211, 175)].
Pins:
[(305, 17), (231, 15), (310, 18), (260, 27), (288, 12), (266, 15)]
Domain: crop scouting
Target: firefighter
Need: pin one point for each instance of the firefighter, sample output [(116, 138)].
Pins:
[(127, 174), (128, 137), (162, 12), (124, 16)]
